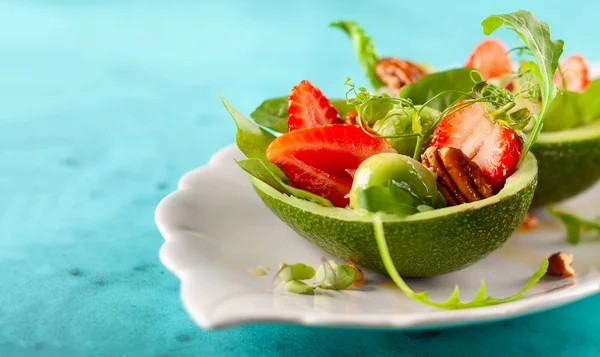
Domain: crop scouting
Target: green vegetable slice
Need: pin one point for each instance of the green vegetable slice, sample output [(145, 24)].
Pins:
[(536, 35), (453, 302), (365, 51), (574, 224)]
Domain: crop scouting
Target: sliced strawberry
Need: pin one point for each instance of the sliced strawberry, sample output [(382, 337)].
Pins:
[(490, 57), (575, 72), (323, 159), (308, 107), (494, 148)]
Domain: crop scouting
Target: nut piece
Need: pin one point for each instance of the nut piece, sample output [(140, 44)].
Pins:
[(397, 73), (459, 179), (360, 277), (530, 222), (351, 117), (559, 264)]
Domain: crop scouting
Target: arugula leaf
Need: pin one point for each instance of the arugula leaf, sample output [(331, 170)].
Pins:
[(296, 271), (273, 113), (251, 139), (536, 35), (365, 51), (454, 82), (574, 224), (453, 303), (272, 175), (335, 276), (572, 109)]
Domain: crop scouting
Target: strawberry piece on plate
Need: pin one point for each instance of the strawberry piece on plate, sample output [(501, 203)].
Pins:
[(323, 159), (494, 148), (575, 72), (308, 107), (490, 57)]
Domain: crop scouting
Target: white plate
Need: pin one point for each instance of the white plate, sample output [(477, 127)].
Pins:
[(216, 228)]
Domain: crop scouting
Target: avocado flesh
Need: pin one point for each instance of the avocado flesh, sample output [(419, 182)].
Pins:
[(424, 244)]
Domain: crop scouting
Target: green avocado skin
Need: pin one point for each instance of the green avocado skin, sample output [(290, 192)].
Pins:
[(565, 169), (419, 248)]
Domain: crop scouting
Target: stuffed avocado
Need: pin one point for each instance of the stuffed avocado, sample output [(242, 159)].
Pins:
[(569, 141), (420, 182)]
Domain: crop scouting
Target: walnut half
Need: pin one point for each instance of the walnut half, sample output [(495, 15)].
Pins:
[(396, 73), (459, 179)]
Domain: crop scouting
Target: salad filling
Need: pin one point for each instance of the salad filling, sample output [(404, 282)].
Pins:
[(432, 140)]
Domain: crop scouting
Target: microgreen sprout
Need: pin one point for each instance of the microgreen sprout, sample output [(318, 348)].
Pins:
[(383, 108), (329, 275)]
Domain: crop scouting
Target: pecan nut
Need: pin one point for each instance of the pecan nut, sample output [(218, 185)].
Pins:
[(529, 223), (559, 264), (396, 73), (351, 117), (459, 180)]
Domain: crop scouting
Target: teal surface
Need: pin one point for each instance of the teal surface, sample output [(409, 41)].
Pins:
[(105, 104)]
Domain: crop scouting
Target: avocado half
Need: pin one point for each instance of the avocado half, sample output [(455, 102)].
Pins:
[(568, 162), (423, 244)]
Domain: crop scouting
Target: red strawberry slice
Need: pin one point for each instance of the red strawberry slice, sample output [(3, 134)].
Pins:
[(490, 57), (494, 148), (323, 159), (575, 72), (308, 107)]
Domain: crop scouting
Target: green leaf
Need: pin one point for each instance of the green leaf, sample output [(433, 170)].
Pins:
[(536, 36), (364, 49), (574, 224), (453, 302), (273, 113), (335, 276), (251, 139), (571, 109), (272, 175), (452, 84), (373, 110), (296, 271), (299, 287), (389, 199)]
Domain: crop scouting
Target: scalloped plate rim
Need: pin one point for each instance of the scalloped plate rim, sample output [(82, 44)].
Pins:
[(434, 319)]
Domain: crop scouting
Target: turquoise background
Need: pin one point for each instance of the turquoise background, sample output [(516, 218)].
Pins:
[(105, 104)]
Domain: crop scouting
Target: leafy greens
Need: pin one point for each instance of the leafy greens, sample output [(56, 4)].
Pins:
[(273, 113), (365, 51), (573, 109), (252, 140), (575, 224), (536, 35)]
